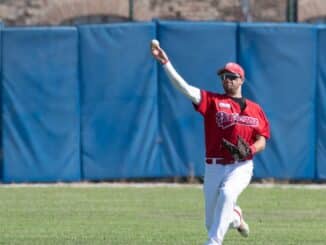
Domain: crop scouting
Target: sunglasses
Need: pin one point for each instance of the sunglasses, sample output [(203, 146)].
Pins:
[(230, 76)]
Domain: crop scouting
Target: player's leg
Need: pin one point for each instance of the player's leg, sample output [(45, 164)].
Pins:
[(245, 171), (239, 223), (238, 178), (236, 217), (212, 181)]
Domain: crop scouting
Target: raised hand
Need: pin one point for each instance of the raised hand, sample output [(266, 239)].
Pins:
[(158, 52)]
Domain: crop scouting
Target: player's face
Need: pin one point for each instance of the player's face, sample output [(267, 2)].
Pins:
[(231, 82)]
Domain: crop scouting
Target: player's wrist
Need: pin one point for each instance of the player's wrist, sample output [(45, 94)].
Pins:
[(164, 62), (253, 149)]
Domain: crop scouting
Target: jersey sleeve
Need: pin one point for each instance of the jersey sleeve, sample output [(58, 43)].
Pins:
[(203, 104), (264, 128)]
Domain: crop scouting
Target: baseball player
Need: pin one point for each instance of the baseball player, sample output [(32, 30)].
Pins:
[(235, 130)]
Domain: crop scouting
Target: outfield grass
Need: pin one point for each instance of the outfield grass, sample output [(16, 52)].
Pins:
[(161, 215)]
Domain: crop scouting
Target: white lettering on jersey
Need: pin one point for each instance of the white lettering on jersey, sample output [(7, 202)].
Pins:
[(224, 105), (225, 120)]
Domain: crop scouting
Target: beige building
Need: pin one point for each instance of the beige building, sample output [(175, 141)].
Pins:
[(65, 12)]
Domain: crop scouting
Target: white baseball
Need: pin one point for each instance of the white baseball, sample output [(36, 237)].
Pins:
[(155, 43)]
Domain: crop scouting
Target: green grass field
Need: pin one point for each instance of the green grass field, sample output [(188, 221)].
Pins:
[(160, 215)]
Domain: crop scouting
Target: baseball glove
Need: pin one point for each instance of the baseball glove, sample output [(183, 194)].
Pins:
[(244, 148), (239, 152)]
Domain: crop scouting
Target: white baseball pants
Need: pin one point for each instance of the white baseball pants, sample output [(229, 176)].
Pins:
[(222, 187)]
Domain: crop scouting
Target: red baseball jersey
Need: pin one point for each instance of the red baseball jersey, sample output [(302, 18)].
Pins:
[(223, 118)]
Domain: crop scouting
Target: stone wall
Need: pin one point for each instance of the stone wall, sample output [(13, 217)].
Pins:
[(228, 10), (311, 9), (54, 12)]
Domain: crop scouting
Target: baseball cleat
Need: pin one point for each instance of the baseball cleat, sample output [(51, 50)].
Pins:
[(243, 229)]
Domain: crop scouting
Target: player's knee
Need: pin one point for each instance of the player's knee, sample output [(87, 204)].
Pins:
[(227, 195)]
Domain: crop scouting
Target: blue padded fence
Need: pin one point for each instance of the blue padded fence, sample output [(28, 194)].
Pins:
[(1, 148), (90, 103), (119, 102), (40, 105), (321, 104), (280, 63)]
